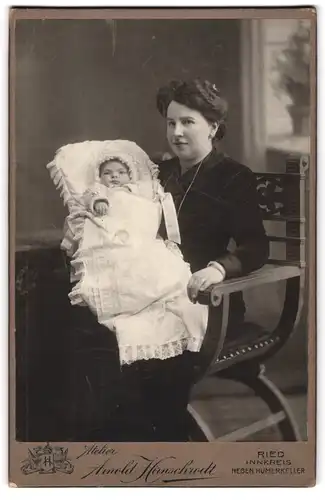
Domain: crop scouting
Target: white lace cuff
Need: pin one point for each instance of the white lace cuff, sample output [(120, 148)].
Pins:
[(218, 266)]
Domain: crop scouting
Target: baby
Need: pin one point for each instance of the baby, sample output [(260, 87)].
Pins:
[(133, 280), (112, 173)]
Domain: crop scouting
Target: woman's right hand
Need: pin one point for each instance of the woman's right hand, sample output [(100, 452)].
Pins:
[(203, 279)]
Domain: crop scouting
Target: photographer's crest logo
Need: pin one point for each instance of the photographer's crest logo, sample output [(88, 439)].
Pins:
[(47, 460)]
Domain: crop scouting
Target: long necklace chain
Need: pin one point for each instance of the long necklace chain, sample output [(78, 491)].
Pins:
[(189, 187)]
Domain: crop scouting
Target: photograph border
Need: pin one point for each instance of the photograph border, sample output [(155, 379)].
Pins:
[(205, 455)]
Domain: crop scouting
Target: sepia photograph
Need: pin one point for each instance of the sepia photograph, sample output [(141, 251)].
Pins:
[(162, 191)]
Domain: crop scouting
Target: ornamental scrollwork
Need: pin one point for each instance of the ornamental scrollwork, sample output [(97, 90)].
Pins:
[(270, 195)]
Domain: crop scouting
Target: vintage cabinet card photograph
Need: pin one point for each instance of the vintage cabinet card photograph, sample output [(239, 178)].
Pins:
[(162, 247)]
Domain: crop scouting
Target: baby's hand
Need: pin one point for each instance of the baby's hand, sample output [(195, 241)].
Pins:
[(101, 207)]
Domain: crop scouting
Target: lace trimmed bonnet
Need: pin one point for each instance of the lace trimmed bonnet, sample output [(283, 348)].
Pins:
[(75, 167)]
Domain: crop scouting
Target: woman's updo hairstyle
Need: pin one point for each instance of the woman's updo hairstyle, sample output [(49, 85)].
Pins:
[(203, 96)]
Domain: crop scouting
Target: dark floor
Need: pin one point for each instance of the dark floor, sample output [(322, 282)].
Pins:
[(226, 414)]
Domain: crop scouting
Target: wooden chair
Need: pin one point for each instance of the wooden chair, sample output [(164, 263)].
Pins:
[(282, 200)]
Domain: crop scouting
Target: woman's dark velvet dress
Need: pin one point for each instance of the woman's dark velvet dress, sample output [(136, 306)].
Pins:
[(147, 400)]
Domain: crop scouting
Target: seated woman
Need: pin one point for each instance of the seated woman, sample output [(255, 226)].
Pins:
[(216, 201)]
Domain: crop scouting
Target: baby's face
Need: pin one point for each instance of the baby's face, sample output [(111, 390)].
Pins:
[(114, 173)]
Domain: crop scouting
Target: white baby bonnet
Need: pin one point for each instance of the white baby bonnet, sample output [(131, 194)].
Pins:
[(75, 167)]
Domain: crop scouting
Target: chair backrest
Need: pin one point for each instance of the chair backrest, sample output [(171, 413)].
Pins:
[(282, 199)]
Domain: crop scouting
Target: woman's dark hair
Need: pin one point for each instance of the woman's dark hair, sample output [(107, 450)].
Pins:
[(203, 96)]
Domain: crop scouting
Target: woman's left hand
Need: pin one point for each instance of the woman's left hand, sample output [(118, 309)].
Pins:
[(201, 280)]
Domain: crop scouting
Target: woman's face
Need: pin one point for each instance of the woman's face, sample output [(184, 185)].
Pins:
[(189, 134)]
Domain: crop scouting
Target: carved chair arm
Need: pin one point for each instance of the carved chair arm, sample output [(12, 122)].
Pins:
[(270, 273)]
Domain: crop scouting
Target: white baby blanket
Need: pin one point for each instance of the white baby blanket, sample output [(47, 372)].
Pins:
[(126, 274)]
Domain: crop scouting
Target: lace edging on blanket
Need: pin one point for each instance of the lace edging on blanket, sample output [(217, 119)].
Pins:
[(132, 353)]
